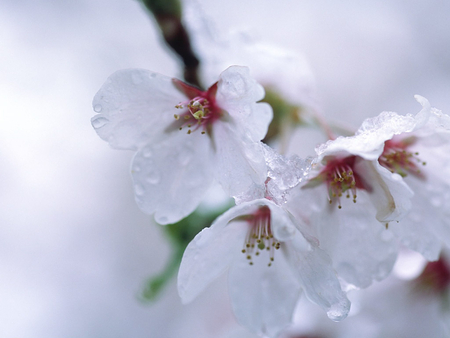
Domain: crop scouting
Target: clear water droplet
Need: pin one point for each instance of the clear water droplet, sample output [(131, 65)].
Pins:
[(99, 122), (137, 78), (153, 177), (98, 108), (136, 168), (436, 202), (139, 189), (147, 152), (386, 235), (339, 311), (162, 220), (185, 156)]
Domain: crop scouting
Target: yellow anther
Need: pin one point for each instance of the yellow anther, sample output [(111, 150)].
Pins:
[(176, 116)]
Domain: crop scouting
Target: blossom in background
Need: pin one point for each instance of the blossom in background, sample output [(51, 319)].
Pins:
[(420, 153), (349, 197), (184, 137), (268, 258), (269, 263), (391, 309)]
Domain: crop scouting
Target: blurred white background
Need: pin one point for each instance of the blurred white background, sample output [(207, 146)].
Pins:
[(74, 248)]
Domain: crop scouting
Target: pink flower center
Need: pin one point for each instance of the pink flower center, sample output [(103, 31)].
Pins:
[(398, 159), (259, 237), (340, 177), (435, 277), (200, 111)]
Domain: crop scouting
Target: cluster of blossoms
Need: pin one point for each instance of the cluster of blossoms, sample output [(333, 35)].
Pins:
[(314, 225)]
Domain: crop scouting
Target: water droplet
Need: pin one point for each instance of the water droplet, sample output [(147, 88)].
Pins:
[(185, 156), (153, 177), (436, 202), (147, 152), (162, 220), (99, 122), (386, 236), (136, 168), (139, 189), (137, 78), (339, 311), (98, 108)]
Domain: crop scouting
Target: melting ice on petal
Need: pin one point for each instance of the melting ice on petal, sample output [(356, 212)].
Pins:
[(420, 153), (184, 137), (269, 263)]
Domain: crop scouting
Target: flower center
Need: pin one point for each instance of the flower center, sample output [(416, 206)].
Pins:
[(340, 177), (435, 277), (259, 237), (200, 111), (398, 159)]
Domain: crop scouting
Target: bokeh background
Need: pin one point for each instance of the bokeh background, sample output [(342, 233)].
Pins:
[(75, 250)]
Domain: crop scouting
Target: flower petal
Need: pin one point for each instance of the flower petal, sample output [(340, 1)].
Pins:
[(318, 279), (134, 107), (237, 94), (361, 248), (389, 193), (368, 142), (172, 176), (241, 168), (210, 253), (263, 298)]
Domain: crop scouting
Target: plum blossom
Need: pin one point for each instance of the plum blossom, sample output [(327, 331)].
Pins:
[(184, 137), (269, 261)]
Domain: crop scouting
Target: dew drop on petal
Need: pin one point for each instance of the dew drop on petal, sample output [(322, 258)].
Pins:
[(136, 168), (139, 189), (99, 122), (386, 236), (436, 202), (98, 108), (185, 156), (153, 177), (162, 219), (136, 78), (338, 312), (147, 152)]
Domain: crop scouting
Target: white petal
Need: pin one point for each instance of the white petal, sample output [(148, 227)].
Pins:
[(390, 194), (368, 142), (134, 107), (212, 251), (361, 248), (241, 166), (172, 176), (237, 86), (263, 298), (318, 279), (237, 94), (426, 225)]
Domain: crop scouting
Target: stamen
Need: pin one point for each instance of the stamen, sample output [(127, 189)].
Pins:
[(398, 159), (340, 178), (259, 238)]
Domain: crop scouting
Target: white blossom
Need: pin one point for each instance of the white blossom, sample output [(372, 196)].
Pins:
[(269, 263), (184, 137)]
